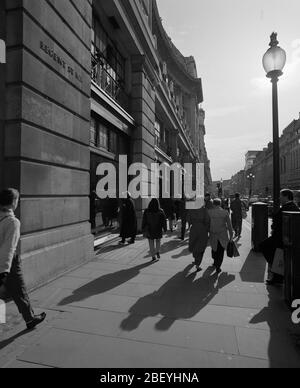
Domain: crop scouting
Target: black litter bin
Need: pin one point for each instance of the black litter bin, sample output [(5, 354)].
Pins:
[(291, 239), (260, 224)]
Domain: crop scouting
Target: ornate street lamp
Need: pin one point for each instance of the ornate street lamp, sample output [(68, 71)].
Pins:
[(251, 177), (274, 61)]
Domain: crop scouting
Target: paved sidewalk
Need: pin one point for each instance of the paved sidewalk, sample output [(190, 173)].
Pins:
[(121, 310)]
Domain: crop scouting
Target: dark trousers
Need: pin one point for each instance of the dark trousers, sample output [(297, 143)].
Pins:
[(237, 223), (16, 289), (183, 227), (218, 255)]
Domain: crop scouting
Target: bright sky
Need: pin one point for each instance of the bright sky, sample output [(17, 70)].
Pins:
[(228, 39)]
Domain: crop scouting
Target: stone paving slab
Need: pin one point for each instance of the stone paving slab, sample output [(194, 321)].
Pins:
[(87, 351)]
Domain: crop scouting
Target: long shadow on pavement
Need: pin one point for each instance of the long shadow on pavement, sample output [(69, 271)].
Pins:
[(282, 350), (8, 341), (104, 284), (182, 297)]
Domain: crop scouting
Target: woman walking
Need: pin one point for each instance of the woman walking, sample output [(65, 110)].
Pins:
[(11, 276), (154, 224), (221, 233), (200, 226)]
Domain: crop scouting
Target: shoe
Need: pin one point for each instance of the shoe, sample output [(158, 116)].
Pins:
[(199, 269), (154, 258), (158, 255), (218, 270), (122, 242), (36, 321), (131, 242)]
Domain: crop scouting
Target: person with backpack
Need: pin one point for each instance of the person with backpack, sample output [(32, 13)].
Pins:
[(11, 276), (153, 226)]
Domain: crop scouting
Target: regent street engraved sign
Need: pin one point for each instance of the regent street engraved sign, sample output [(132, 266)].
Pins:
[(58, 59)]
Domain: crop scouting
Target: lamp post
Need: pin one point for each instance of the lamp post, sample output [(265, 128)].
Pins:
[(251, 177), (2, 52), (274, 61)]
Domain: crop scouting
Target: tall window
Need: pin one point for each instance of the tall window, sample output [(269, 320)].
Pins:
[(157, 132), (111, 59), (103, 137), (108, 65), (93, 132)]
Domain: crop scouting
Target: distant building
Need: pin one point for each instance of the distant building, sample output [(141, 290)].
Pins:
[(260, 164), (250, 158)]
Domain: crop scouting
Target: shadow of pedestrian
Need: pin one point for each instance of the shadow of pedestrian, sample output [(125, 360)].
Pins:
[(8, 341), (185, 252), (170, 246), (282, 350), (182, 297), (103, 284)]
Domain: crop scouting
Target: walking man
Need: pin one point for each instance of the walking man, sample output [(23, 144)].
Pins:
[(237, 215), (11, 276)]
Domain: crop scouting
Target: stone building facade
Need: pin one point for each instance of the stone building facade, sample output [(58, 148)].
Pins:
[(85, 82), (289, 162), (262, 165)]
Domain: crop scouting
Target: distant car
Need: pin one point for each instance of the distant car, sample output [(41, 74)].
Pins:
[(253, 200), (246, 202)]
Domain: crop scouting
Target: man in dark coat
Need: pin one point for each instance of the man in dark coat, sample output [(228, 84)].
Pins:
[(128, 220), (269, 247), (237, 215), (208, 203)]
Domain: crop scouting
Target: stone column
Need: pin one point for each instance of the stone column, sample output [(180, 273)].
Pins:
[(47, 131), (143, 111)]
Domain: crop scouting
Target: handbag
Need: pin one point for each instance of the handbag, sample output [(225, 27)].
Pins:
[(278, 263), (236, 252), (232, 250)]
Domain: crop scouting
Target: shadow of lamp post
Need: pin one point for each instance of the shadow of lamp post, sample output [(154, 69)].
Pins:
[(274, 61)]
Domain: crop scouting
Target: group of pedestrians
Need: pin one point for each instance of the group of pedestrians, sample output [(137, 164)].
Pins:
[(209, 223), (275, 242)]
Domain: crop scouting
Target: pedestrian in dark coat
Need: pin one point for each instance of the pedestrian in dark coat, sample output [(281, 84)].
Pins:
[(199, 233), (128, 220), (154, 224), (269, 247), (237, 207)]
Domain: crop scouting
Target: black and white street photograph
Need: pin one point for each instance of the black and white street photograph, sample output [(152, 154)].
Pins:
[(149, 187)]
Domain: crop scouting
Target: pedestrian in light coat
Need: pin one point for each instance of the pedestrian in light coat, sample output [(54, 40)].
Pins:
[(221, 233), (11, 276)]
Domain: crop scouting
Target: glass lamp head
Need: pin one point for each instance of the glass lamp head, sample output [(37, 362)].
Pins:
[(274, 59)]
